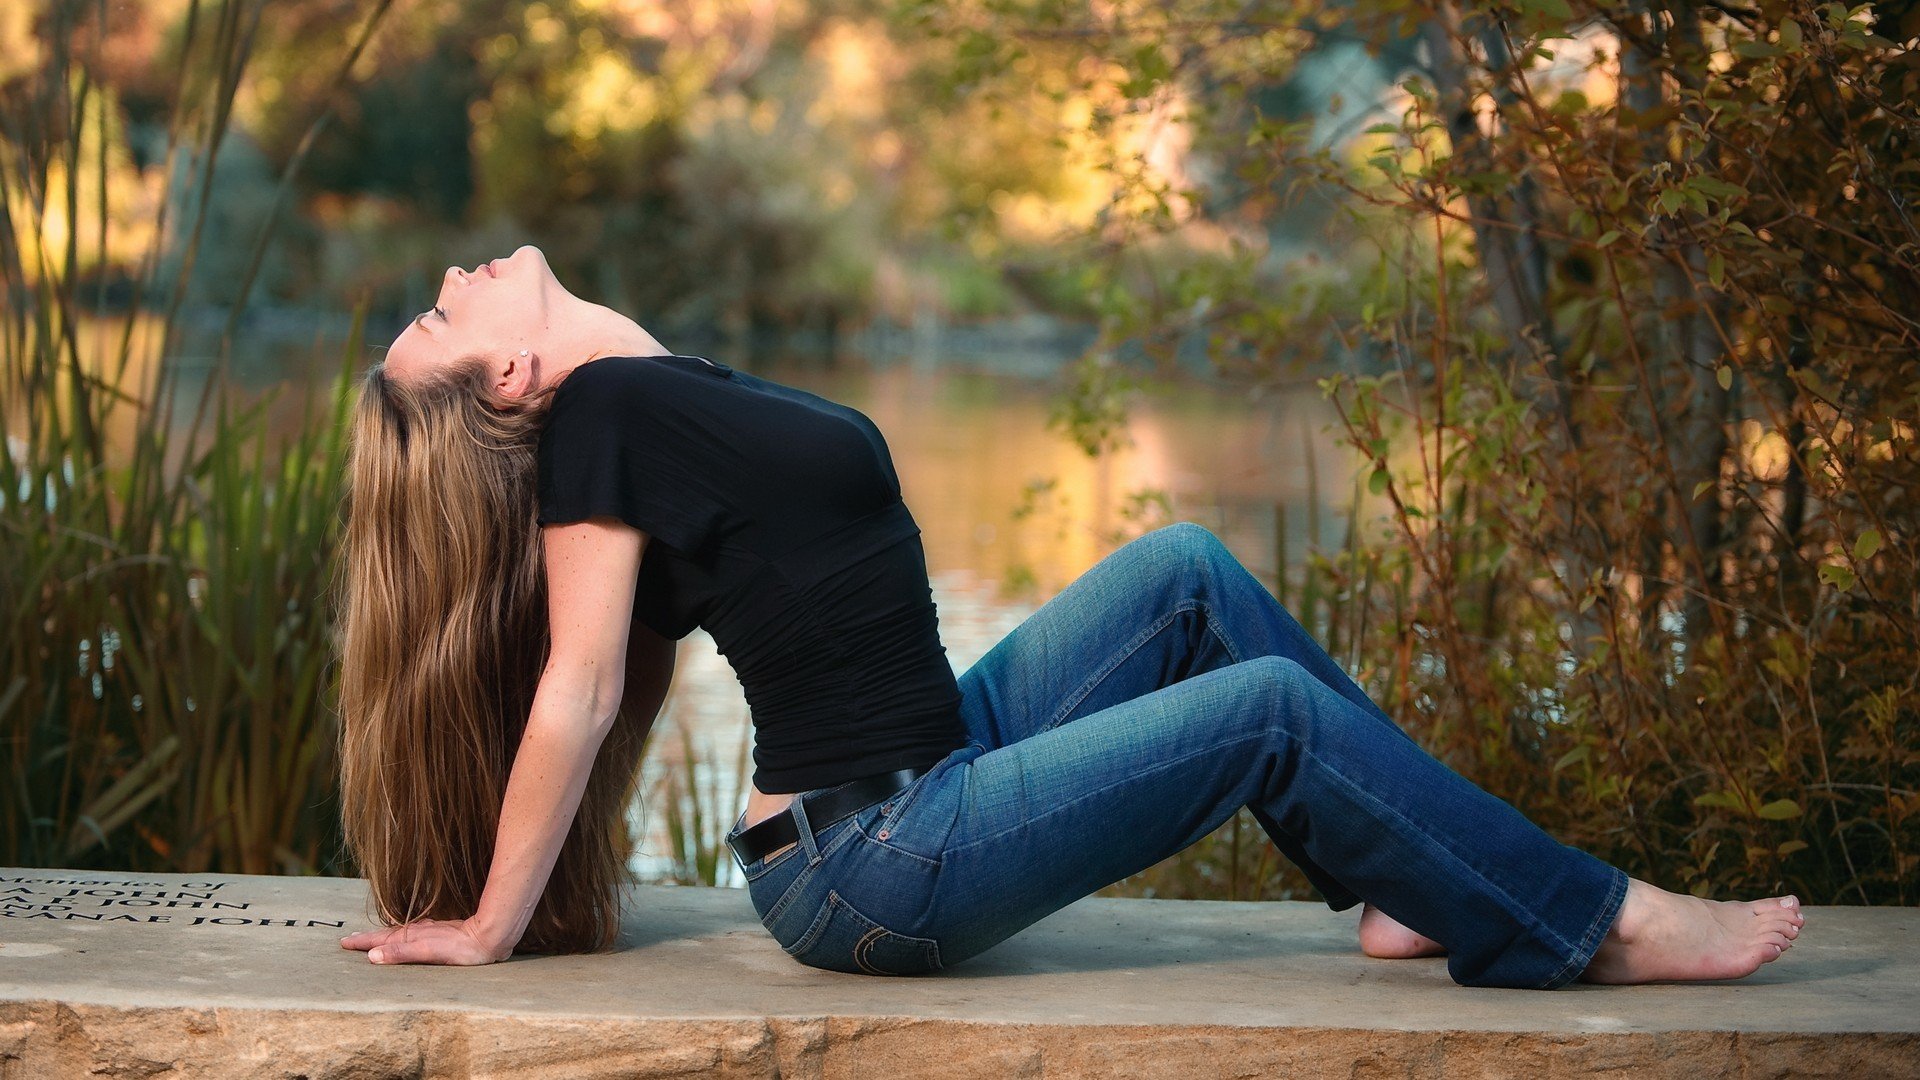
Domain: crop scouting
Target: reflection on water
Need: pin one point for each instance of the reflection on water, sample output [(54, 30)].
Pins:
[(967, 446)]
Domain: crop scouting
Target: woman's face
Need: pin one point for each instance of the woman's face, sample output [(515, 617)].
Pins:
[(492, 311)]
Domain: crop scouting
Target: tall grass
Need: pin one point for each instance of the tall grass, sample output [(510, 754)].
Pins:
[(698, 796), (164, 643)]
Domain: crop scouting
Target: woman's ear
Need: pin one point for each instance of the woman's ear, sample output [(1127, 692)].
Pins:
[(517, 379)]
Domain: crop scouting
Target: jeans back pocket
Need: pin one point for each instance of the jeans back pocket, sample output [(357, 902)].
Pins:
[(842, 939)]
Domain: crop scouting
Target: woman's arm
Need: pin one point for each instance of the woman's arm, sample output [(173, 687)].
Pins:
[(592, 568), (650, 660)]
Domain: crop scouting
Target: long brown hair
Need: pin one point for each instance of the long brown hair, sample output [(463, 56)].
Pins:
[(442, 614)]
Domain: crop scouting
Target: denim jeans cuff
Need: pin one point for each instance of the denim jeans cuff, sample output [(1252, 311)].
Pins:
[(1338, 899), (1603, 921)]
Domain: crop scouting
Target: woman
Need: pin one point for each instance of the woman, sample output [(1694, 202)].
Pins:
[(543, 498)]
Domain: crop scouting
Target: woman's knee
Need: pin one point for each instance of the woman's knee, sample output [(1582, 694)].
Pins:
[(1279, 676), (1252, 690), (1188, 539), (1184, 551), (1288, 694)]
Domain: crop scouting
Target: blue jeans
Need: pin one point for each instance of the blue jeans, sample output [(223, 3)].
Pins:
[(1131, 715)]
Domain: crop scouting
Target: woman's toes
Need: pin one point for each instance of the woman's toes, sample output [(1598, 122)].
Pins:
[(1783, 909), (1681, 938)]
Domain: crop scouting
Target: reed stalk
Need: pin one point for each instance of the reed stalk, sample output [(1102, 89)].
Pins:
[(164, 638)]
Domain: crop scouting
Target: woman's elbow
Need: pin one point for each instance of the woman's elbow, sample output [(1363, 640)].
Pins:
[(581, 695)]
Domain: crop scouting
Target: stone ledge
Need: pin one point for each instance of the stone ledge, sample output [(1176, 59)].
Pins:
[(107, 974)]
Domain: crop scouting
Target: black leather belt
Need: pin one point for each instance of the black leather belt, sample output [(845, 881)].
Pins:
[(823, 809)]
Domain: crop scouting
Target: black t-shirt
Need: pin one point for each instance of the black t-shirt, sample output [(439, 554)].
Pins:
[(775, 524)]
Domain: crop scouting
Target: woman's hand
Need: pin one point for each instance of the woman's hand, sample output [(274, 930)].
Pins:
[(429, 941)]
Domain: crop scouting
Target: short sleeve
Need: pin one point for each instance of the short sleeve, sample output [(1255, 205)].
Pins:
[(623, 439)]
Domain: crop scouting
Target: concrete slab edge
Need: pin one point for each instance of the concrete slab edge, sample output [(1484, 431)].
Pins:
[(52, 1040)]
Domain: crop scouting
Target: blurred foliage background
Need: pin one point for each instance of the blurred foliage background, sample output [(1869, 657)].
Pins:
[(1615, 305), (724, 166)]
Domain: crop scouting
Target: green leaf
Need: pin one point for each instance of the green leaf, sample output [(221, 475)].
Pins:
[(1717, 269), (1789, 34), (1716, 187), (1790, 847), (1837, 576), (1700, 487), (1780, 810), (1574, 756), (1810, 379), (1869, 542), (1377, 483), (1725, 376), (1607, 238)]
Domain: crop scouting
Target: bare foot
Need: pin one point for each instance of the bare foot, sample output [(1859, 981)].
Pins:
[(1662, 936), (1383, 937)]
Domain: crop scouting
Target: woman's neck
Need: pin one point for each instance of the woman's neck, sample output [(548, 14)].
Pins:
[(588, 331)]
